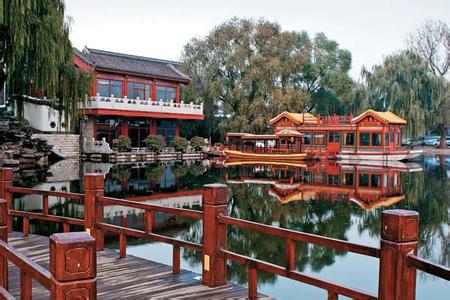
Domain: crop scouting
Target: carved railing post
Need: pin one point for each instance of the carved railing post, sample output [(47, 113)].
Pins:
[(215, 197), (73, 265), (3, 237), (6, 180), (399, 235), (93, 212)]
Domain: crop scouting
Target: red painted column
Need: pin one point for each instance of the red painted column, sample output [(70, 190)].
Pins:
[(124, 130), (177, 97), (177, 128), (215, 198), (6, 180), (73, 265), (93, 212), (399, 235)]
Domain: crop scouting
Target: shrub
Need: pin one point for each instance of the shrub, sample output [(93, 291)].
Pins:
[(198, 143), (180, 144), (155, 143), (123, 143)]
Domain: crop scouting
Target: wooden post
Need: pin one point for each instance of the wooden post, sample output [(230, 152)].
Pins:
[(148, 221), (73, 265), (252, 281), (290, 255), (176, 259), (123, 237), (3, 237), (26, 226), (25, 286), (6, 180), (399, 235), (215, 198), (93, 212)]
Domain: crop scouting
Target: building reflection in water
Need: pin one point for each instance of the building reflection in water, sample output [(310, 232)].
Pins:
[(369, 185)]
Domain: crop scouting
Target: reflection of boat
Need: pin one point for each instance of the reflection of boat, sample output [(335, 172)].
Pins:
[(403, 166), (235, 162), (370, 186)]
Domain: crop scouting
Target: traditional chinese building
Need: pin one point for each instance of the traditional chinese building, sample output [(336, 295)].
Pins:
[(133, 96)]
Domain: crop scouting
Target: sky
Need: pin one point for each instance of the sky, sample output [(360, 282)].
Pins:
[(160, 29)]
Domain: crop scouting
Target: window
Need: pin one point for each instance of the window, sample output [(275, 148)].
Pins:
[(375, 180), (108, 128), (376, 139), (307, 138), (141, 90), (319, 138), (364, 179), (397, 139), (364, 139), (348, 179), (348, 139), (386, 139), (165, 93), (333, 137), (138, 131), (167, 129), (108, 88), (333, 179)]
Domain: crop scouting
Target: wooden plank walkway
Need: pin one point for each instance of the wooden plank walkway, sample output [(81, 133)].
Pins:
[(129, 278)]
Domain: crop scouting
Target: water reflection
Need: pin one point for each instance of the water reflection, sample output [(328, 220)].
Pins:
[(341, 200)]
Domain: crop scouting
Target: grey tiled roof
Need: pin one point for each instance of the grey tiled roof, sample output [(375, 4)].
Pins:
[(151, 67)]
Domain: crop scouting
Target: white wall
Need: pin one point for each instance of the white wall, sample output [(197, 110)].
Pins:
[(41, 116)]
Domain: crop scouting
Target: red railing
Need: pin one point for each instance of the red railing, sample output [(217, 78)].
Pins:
[(397, 254), (334, 120), (59, 280)]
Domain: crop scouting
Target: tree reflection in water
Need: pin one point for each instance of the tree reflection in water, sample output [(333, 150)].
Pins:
[(317, 198)]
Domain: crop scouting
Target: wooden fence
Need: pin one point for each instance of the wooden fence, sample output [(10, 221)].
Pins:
[(397, 253)]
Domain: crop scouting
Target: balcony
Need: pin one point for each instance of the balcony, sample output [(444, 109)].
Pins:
[(143, 108)]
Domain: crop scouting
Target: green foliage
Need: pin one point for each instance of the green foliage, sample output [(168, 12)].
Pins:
[(198, 143), (249, 71), (123, 143), (155, 171), (36, 54), (402, 84), (155, 143), (180, 144)]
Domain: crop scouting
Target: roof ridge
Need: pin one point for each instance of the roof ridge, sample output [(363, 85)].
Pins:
[(179, 72), (99, 51)]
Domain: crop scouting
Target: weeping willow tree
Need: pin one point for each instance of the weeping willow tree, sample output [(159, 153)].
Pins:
[(402, 84), (38, 54)]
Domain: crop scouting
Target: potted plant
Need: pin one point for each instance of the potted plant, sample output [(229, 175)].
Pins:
[(180, 144), (155, 143), (123, 144), (198, 143)]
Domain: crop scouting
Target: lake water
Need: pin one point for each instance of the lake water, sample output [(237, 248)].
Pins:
[(342, 201)]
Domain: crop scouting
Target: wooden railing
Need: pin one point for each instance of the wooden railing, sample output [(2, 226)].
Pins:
[(397, 254), (63, 281)]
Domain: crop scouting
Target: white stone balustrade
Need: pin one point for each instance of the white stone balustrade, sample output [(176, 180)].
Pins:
[(100, 102)]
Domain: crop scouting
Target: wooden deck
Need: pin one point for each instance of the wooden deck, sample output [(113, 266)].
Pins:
[(130, 278)]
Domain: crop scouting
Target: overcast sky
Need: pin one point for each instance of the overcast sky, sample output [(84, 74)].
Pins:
[(160, 29)]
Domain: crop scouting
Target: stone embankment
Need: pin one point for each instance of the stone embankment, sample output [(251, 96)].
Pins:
[(30, 157)]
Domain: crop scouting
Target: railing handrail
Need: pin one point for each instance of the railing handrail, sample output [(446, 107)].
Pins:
[(300, 236), (25, 264), (215, 220), (428, 266), (182, 212), (31, 191), (295, 275)]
